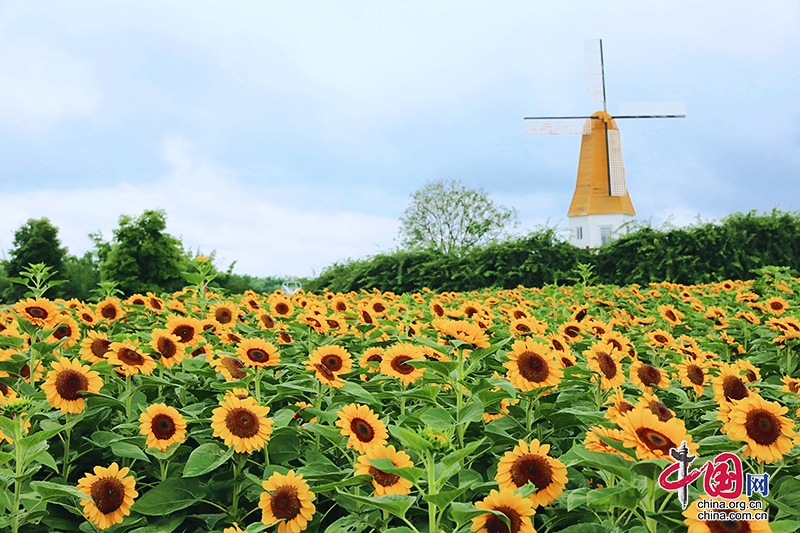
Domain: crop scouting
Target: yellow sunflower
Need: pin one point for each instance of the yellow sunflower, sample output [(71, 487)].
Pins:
[(86, 315), (371, 355), (242, 424), (382, 482), (66, 380), (570, 331), (162, 425), (695, 525), (130, 362), (790, 384), (463, 331), (287, 500), (670, 314), (532, 365), (230, 367), (66, 331), (777, 305), (619, 406), (729, 386), (659, 338), (594, 443), (224, 314), (652, 438), (233, 529), (186, 328), (748, 370), (258, 353), (394, 362), (517, 509), (362, 427), (648, 377), (525, 326), (763, 427), (109, 309), (39, 312), (281, 305), (651, 403), (168, 346), (328, 362), (604, 359), (95, 347), (532, 464), (693, 374), (112, 492)]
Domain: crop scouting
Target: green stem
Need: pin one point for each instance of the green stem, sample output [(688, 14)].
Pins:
[(258, 385), (460, 428), (128, 398), (65, 462), (20, 468), (431, 491), (164, 468), (402, 405)]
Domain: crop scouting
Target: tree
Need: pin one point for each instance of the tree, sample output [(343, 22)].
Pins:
[(142, 257), (35, 242), (449, 217)]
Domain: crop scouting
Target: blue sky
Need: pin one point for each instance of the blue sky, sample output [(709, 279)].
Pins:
[(287, 136)]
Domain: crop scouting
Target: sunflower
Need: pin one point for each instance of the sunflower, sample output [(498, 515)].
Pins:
[(570, 331), (162, 425), (659, 338), (153, 302), (286, 499), (241, 423), (524, 326), (111, 491), (652, 404), (777, 305), (64, 383), (95, 347), (230, 367), (362, 427), (719, 524), (648, 377), (385, 483), (604, 359), (281, 305), (168, 346), (728, 386), (266, 320), (39, 312), (463, 331), (223, 313), (187, 329), (619, 342), (558, 344), (125, 355), (517, 509), (86, 315), (620, 407), (233, 529), (7, 394), (109, 309), (531, 365), (328, 362), (790, 384), (652, 438), (437, 309), (258, 353), (66, 331), (394, 362), (693, 374), (594, 443), (670, 314), (340, 305), (762, 425), (531, 464), (371, 355)]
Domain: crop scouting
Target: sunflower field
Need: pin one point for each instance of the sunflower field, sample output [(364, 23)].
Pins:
[(546, 409)]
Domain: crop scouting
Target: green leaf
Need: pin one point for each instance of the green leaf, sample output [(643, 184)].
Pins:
[(437, 418), (126, 449), (456, 456), (161, 526), (347, 482), (650, 468), (395, 504), (8, 426), (472, 412), (462, 512), (608, 462), (626, 497), (588, 528), (357, 391), (205, 458), (785, 526), (385, 465), (170, 496), (48, 490), (347, 524), (410, 439), (443, 499)]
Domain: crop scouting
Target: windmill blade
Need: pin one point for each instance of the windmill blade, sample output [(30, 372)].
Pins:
[(595, 78), (616, 167), (652, 110), (558, 126)]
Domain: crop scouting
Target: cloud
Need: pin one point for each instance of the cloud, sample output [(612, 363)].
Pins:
[(266, 232)]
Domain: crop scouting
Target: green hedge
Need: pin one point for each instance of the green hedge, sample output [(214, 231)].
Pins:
[(731, 249)]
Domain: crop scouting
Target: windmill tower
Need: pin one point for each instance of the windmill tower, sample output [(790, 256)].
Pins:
[(600, 204)]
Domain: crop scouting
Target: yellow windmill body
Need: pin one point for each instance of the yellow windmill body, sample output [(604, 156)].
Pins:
[(601, 204)]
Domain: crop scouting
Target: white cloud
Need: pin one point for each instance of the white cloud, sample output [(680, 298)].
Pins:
[(209, 209)]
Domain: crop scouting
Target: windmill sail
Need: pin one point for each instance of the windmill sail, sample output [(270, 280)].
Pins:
[(594, 71), (652, 110), (615, 164), (557, 126)]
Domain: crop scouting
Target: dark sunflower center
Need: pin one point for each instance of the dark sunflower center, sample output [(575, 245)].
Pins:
[(282, 309), (624, 407), (557, 345), (438, 310), (285, 503), (100, 347), (333, 362), (671, 316), (268, 321), (566, 362), (155, 304), (615, 343), (37, 312), (727, 526), (109, 312), (258, 355), (87, 317), (185, 332), (377, 358), (572, 331), (234, 366), (695, 374), (655, 440), (242, 422), (762, 426), (750, 376), (325, 371), (793, 386), (533, 367), (382, 478), (581, 315), (734, 388), (531, 468), (130, 357), (223, 315), (162, 426), (366, 317), (62, 331), (167, 347), (138, 301), (341, 306), (4, 389), (776, 306), (660, 410), (362, 430), (108, 494), (69, 383), (649, 375), (607, 365), (495, 525), (234, 338), (378, 307), (661, 339), (399, 365), (522, 328)]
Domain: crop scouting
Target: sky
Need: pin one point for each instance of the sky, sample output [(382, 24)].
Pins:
[(290, 135)]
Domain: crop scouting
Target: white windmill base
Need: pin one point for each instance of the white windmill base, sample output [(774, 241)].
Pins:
[(592, 231)]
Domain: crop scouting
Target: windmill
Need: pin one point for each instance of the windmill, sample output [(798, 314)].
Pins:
[(600, 204)]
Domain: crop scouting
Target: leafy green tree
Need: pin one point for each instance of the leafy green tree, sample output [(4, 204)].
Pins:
[(142, 257), (35, 242), (449, 217), (82, 275)]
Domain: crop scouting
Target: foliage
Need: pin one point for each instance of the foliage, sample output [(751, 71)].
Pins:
[(449, 217), (35, 242)]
